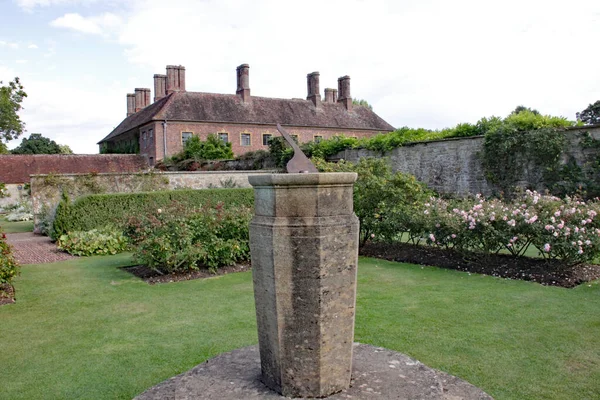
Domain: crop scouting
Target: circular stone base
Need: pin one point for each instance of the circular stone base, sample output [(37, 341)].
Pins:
[(377, 373)]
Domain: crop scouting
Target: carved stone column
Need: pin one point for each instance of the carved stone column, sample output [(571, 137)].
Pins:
[(304, 245)]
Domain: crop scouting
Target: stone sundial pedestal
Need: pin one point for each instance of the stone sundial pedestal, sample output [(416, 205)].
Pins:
[(304, 246)]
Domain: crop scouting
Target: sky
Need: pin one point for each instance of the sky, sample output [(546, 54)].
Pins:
[(421, 63)]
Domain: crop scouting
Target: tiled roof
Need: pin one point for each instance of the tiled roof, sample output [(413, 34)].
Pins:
[(211, 107)]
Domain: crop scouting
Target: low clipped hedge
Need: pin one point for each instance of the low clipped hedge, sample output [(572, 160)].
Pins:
[(101, 210)]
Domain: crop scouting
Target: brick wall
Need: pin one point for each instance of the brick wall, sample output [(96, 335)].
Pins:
[(154, 149), (17, 168)]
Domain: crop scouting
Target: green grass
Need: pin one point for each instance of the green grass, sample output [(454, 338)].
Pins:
[(16, 227), (85, 329)]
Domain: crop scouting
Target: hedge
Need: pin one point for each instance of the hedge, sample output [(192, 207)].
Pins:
[(100, 210)]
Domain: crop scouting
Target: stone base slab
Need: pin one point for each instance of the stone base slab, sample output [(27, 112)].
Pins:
[(377, 373)]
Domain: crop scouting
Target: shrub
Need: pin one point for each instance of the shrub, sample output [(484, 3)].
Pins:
[(94, 242), (9, 268), (97, 211), (384, 202), (565, 229), (3, 191), (211, 149), (22, 212), (177, 239)]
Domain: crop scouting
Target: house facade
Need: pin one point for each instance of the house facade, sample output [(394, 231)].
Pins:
[(161, 128)]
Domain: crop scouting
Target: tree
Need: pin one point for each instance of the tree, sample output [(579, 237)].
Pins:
[(37, 144), (361, 102), (11, 96), (3, 148), (211, 149), (65, 149), (520, 109), (591, 115)]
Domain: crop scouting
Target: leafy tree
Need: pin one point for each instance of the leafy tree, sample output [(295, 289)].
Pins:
[(3, 148), (591, 115), (37, 144), (211, 149), (520, 109), (11, 97), (65, 149), (361, 102)]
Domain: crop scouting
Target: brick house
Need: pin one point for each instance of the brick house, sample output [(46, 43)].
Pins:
[(247, 122)]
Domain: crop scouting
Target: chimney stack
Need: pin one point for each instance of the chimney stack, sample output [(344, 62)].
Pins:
[(160, 86), (314, 92), (130, 104), (330, 95), (142, 98), (344, 92), (175, 79), (243, 82)]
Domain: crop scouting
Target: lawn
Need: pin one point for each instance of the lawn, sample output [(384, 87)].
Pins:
[(85, 329), (16, 227)]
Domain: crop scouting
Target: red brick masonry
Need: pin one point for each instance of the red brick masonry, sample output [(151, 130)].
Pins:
[(17, 168)]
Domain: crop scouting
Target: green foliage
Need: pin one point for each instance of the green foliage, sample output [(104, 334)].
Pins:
[(361, 102), (523, 138), (95, 242), (280, 151), (97, 211), (3, 191), (211, 149), (9, 268), (37, 144), (383, 200), (591, 115), (3, 149), (329, 147), (11, 97), (121, 147), (520, 109), (178, 239), (65, 149)]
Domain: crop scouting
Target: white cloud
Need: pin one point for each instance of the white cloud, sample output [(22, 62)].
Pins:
[(96, 25), (420, 63), (21, 61), (32, 46), (29, 5), (11, 45)]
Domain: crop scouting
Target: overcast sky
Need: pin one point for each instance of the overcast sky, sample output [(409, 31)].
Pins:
[(421, 63)]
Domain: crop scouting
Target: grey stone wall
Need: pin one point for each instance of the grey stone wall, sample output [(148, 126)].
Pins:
[(46, 190), (15, 195), (453, 166)]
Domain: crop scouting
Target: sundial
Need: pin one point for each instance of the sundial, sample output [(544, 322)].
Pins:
[(299, 162)]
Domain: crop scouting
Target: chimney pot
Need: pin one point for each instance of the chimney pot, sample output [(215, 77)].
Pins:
[(330, 95), (175, 81), (142, 98), (130, 104), (243, 82), (160, 86), (314, 92), (344, 92)]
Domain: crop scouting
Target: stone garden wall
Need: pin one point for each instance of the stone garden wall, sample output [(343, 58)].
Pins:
[(46, 190), (453, 166)]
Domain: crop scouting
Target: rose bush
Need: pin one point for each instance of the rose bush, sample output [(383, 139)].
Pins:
[(566, 229)]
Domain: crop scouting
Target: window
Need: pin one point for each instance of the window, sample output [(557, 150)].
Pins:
[(144, 136), (266, 138), (185, 136), (224, 136), (245, 139), (150, 133), (295, 137), (317, 138)]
